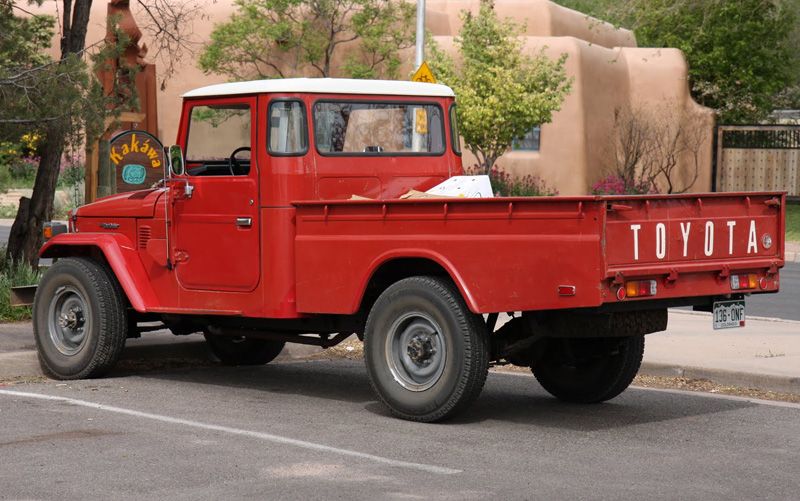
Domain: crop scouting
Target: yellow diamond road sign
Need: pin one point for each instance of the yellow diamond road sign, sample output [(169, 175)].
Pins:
[(423, 74)]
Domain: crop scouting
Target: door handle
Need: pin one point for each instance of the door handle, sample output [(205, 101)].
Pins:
[(244, 222)]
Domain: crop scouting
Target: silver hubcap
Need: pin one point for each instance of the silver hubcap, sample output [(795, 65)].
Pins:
[(416, 351), (68, 321)]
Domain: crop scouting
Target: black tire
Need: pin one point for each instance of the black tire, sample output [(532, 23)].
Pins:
[(589, 370), (427, 355), (241, 350), (79, 319)]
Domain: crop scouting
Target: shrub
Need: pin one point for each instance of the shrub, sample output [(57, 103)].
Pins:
[(11, 275), (71, 180), (615, 185), (508, 185), (71, 174), (23, 171)]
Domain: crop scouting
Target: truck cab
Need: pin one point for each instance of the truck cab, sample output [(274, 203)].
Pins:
[(281, 221)]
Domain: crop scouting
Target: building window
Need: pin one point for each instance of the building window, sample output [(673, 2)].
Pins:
[(528, 142)]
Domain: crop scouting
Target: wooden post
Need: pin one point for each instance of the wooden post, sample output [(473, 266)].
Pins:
[(105, 171), (92, 162)]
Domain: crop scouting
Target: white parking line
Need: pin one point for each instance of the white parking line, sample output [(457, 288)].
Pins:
[(268, 437)]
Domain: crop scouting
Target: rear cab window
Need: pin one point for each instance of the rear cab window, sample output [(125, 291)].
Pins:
[(455, 134), (369, 128)]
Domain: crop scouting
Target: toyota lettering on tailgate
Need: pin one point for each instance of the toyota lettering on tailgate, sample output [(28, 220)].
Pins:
[(690, 231)]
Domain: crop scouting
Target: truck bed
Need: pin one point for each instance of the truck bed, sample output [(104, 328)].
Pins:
[(520, 254)]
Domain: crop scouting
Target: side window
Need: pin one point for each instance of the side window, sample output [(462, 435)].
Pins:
[(353, 128), (219, 140), (454, 132), (288, 130), (528, 142)]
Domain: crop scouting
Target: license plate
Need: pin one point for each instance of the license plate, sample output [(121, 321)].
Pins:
[(728, 314)]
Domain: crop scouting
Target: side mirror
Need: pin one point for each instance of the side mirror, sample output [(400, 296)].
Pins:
[(176, 166)]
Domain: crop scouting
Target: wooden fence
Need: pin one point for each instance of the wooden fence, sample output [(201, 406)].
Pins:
[(758, 158)]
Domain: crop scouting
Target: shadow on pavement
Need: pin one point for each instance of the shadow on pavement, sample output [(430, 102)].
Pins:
[(524, 401), (506, 398)]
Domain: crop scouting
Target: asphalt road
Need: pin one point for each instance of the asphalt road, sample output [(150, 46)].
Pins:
[(785, 303), (313, 430)]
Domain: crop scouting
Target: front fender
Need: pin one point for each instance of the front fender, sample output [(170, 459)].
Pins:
[(121, 255)]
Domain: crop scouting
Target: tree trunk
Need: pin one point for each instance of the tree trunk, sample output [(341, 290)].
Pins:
[(26, 232)]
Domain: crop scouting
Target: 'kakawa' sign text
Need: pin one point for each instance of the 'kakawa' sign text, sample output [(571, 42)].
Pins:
[(138, 159)]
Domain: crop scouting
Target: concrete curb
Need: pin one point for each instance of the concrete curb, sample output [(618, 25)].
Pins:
[(19, 364), (782, 384)]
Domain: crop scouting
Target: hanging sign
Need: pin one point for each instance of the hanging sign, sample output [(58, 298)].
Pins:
[(137, 158)]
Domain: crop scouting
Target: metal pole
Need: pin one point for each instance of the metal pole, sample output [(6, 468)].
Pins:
[(420, 55)]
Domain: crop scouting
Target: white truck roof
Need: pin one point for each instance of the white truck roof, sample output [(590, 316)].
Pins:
[(324, 86)]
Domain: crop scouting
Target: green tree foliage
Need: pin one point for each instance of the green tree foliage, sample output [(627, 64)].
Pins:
[(600, 9), (737, 50), (281, 38), (23, 38), (743, 55), (37, 91), (56, 99), (60, 101), (502, 92)]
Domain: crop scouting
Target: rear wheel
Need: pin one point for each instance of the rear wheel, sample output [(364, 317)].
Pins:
[(427, 355), (589, 370), (79, 319), (242, 350)]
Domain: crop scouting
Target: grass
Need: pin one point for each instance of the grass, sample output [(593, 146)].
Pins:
[(12, 275), (8, 211), (793, 222)]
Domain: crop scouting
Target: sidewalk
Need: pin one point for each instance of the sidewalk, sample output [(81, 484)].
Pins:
[(765, 354), (792, 254)]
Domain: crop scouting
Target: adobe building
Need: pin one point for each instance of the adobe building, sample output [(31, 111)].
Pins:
[(609, 73)]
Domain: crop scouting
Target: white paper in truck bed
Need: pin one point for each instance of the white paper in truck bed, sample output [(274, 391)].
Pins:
[(465, 187)]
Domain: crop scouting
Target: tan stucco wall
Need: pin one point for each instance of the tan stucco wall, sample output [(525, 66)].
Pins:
[(609, 72)]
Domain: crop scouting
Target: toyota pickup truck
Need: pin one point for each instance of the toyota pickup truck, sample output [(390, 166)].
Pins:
[(252, 239)]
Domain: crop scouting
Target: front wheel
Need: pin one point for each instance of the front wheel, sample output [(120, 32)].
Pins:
[(79, 319), (589, 370), (427, 355)]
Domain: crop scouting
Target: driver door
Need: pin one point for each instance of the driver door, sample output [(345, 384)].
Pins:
[(216, 237)]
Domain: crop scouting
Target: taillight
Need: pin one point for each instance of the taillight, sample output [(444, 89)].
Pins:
[(641, 288), (744, 281)]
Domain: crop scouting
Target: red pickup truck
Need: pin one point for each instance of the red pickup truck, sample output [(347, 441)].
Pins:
[(253, 240)]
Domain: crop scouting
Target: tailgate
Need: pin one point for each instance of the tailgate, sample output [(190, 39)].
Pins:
[(692, 233)]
